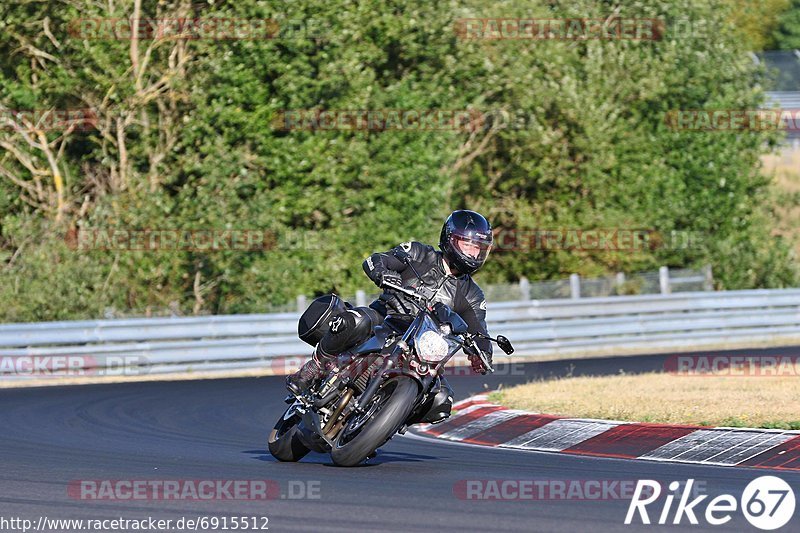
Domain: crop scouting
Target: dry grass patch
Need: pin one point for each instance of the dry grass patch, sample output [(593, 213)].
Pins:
[(766, 402)]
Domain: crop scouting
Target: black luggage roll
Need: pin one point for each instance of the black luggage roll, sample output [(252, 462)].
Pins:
[(314, 320)]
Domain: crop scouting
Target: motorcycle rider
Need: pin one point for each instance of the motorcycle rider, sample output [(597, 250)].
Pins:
[(464, 243)]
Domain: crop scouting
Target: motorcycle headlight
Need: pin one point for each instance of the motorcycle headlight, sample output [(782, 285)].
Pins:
[(432, 346)]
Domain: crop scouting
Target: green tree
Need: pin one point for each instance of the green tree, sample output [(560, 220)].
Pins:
[(787, 34), (757, 20), (184, 138)]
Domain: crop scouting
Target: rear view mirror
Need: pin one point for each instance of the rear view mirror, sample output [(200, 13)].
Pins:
[(505, 344)]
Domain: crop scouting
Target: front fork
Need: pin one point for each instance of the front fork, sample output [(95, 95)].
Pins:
[(372, 387), (388, 369)]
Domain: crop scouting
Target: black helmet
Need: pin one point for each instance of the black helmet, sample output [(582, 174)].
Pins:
[(466, 240)]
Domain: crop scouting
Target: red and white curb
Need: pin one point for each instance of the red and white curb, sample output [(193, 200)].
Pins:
[(477, 421)]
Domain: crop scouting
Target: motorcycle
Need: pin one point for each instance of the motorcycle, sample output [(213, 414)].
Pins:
[(385, 384)]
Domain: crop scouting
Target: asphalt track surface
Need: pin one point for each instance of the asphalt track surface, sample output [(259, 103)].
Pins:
[(217, 429)]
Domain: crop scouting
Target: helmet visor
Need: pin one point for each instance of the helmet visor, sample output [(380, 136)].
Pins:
[(472, 248)]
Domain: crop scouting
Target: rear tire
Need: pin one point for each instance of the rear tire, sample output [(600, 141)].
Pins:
[(396, 400), (284, 441)]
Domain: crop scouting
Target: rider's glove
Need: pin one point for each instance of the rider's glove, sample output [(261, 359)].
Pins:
[(390, 277), (475, 360), (477, 365), (396, 303)]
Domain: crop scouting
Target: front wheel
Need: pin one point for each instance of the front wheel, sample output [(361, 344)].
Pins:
[(365, 432), (284, 441)]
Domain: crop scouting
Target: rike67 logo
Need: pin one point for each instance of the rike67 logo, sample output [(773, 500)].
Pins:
[(767, 503)]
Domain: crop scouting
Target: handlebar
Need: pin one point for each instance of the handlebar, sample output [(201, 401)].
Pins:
[(414, 294), (469, 338), (398, 288)]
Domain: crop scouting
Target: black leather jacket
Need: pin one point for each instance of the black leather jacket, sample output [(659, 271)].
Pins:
[(462, 294)]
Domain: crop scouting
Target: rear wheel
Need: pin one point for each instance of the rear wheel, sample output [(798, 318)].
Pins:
[(364, 433), (284, 441)]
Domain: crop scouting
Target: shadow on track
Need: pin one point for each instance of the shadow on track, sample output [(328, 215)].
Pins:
[(324, 459)]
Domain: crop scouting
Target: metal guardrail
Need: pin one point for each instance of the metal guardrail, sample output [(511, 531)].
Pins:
[(783, 69), (537, 327), (661, 281), (788, 101)]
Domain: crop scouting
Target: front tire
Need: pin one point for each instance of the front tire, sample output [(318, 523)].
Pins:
[(388, 409), (284, 441)]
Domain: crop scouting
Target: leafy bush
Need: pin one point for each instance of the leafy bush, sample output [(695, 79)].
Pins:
[(185, 139)]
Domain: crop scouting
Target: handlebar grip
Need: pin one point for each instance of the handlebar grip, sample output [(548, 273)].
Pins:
[(474, 348), (486, 363)]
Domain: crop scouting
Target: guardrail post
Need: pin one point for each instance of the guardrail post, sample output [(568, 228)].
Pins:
[(708, 282), (301, 303), (361, 298), (574, 286), (663, 279), (524, 288)]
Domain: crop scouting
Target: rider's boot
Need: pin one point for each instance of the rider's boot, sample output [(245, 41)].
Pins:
[(308, 375)]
